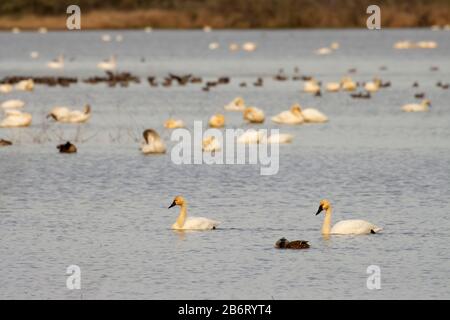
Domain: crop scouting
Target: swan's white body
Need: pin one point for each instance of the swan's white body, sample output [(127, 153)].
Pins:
[(57, 63), (153, 143), (354, 227), (278, 138), (217, 121), (173, 124), (415, 107), (344, 226), (15, 118), (210, 144), (13, 104), (311, 86), (250, 136), (6, 88), (237, 104), (108, 65), (289, 117), (191, 223), (254, 115), (372, 86), (64, 114), (324, 51), (313, 115), (333, 86), (249, 46), (348, 84), (25, 85)]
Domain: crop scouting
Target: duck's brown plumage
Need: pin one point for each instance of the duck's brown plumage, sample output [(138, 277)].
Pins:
[(4, 143), (67, 148), (283, 243)]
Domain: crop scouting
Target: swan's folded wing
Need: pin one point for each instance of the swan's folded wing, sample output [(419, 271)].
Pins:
[(200, 223)]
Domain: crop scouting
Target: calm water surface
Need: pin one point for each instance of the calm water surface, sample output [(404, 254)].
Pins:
[(105, 208)]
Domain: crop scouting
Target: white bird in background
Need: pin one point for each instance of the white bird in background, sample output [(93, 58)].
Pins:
[(34, 54), (25, 85), (57, 63), (210, 144), (344, 226), (292, 116), (6, 88), (249, 46), (415, 107), (237, 104), (16, 118), (173, 124), (253, 115), (190, 223), (106, 38), (13, 104), (66, 115), (108, 64), (153, 142)]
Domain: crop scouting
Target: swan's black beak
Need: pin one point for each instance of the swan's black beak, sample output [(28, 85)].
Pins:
[(172, 205), (319, 210)]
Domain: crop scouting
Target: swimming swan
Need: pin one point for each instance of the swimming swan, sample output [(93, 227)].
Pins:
[(57, 63), (173, 124), (191, 223), (15, 118), (108, 65), (64, 114), (12, 104), (6, 88), (252, 136), (414, 107), (311, 86), (348, 84), (333, 86), (311, 115), (292, 116), (210, 144), (237, 104), (253, 115), (344, 226), (217, 121), (153, 142), (25, 85)]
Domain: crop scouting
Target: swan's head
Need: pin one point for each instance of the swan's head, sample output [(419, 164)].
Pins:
[(178, 201), (87, 109), (150, 134), (296, 109), (239, 101), (324, 205)]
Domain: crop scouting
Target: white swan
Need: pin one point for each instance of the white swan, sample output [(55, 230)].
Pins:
[(217, 121), (191, 223), (16, 118), (6, 88), (108, 65), (311, 86), (333, 86), (253, 115), (279, 138), (249, 46), (173, 124), (348, 84), (57, 63), (252, 136), (372, 86), (323, 51), (210, 144), (237, 104), (292, 116), (344, 226), (153, 142), (25, 85), (312, 115), (414, 107), (64, 114), (13, 104)]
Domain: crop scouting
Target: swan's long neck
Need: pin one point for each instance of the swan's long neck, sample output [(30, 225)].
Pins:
[(326, 227), (182, 217)]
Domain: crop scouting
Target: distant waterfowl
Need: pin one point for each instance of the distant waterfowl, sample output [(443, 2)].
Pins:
[(249, 46), (279, 138), (42, 30), (311, 86), (361, 95), (57, 63), (207, 29), (296, 76), (281, 76), (283, 243), (106, 38), (148, 29), (210, 144), (253, 115), (119, 38), (109, 64), (372, 86), (415, 84), (419, 95), (64, 114), (15, 118), (414, 107), (259, 82), (237, 104), (34, 54), (323, 51), (173, 124), (15, 30), (345, 226), (333, 86), (233, 47), (25, 85), (67, 148), (6, 88), (217, 121), (190, 223), (152, 142), (348, 84), (292, 116), (213, 46), (13, 104), (312, 115), (334, 45), (5, 143), (250, 137)]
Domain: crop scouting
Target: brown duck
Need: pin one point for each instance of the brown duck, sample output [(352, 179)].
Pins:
[(283, 243), (67, 148), (4, 143)]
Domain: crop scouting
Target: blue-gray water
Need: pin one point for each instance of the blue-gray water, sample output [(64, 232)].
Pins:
[(105, 208)]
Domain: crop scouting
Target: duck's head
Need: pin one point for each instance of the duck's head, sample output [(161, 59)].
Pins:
[(324, 205), (296, 108), (178, 201)]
